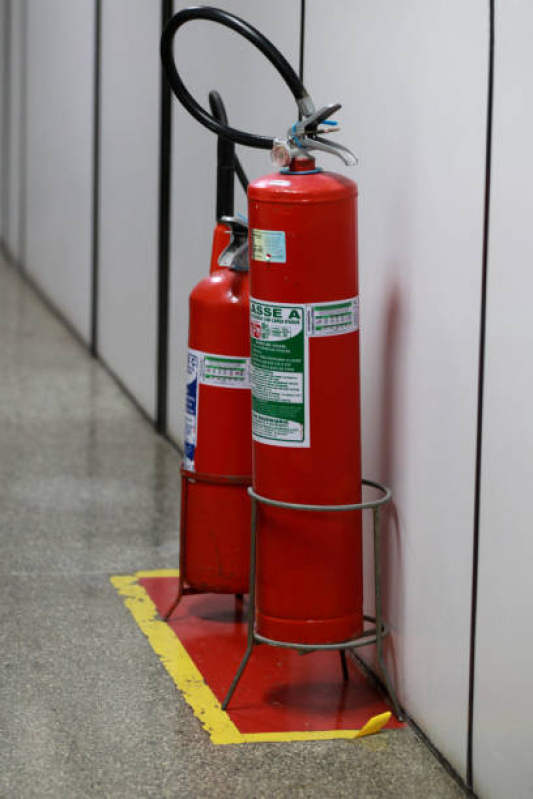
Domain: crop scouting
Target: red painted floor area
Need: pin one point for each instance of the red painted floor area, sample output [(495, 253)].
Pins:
[(280, 691)]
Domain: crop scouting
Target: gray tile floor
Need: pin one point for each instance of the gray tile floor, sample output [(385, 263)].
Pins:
[(86, 710)]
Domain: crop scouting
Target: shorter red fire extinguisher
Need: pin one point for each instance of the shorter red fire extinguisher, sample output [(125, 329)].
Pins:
[(216, 471)]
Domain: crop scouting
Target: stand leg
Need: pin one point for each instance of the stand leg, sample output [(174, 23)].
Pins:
[(344, 665), (176, 602), (183, 522), (379, 620), (251, 611), (238, 676)]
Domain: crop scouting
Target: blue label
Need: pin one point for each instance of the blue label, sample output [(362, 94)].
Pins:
[(269, 246), (191, 411)]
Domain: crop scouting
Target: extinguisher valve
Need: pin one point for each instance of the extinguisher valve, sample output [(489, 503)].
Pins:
[(235, 256), (306, 135)]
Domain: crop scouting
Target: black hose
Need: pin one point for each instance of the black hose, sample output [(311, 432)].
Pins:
[(228, 163), (218, 109), (225, 160), (241, 174), (256, 38)]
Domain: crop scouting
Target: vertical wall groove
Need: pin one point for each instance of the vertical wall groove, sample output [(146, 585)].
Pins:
[(164, 241), (23, 121), (6, 127), (302, 40), (481, 385), (96, 177)]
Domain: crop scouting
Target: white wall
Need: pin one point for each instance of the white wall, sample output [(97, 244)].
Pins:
[(504, 654), (412, 77), (129, 198), (256, 99), (59, 153)]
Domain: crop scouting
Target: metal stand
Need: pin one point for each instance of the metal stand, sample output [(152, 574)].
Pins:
[(197, 477), (374, 635)]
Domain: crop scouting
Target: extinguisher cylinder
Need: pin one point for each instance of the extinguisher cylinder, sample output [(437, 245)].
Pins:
[(306, 403)]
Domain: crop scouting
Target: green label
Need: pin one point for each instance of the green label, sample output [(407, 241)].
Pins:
[(279, 374)]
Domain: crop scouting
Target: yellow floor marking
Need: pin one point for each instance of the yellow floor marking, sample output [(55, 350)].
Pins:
[(189, 680)]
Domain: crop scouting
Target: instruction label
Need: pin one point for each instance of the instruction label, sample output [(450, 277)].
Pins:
[(280, 336), (207, 369), (269, 246), (280, 402)]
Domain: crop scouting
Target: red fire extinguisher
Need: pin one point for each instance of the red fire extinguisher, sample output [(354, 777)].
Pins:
[(304, 327), (215, 507)]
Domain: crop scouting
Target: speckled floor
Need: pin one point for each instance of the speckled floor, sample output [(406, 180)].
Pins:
[(86, 710)]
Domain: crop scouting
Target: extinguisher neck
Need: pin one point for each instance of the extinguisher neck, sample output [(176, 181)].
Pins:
[(302, 164)]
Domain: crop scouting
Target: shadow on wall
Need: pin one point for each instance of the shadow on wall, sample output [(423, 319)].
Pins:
[(388, 466)]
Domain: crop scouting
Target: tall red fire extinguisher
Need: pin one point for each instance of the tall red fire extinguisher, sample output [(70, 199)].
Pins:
[(304, 327)]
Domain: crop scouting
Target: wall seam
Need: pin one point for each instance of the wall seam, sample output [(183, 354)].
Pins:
[(95, 277), (6, 127), (163, 280), (481, 387), (23, 122), (302, 39)]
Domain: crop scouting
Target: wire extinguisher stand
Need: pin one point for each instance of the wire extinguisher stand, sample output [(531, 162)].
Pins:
[(374, 635)]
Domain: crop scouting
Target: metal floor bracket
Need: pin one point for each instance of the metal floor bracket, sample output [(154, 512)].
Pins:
[(374, 635)]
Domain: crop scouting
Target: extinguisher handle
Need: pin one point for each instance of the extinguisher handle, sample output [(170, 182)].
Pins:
[(303, 100)]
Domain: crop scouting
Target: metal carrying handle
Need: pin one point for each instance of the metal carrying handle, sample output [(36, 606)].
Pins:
[(235, 255)]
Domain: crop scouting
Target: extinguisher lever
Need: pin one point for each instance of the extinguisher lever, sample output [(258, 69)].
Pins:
[(235, 256), (304, 136), (309, 123), (333, 148)]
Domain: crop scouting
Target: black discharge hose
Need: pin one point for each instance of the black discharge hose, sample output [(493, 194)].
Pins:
[(219, 112), (257, 39), (228, 163)]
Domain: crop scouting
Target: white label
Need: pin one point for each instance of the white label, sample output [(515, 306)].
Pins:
[(269, 246), (333, 318), (224, 371), (203, 368)]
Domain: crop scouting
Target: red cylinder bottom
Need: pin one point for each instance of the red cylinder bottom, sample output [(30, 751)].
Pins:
[(311, 578), (217, 538)]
